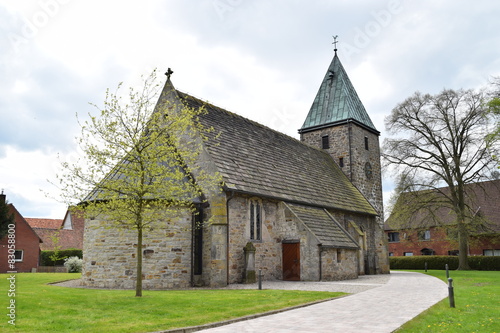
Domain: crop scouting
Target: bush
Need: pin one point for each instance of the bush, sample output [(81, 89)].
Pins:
[(46, 261), (480, 263), (73, 264)]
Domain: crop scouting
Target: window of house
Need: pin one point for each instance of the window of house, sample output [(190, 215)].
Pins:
[(393, 237), (341, 162), (366, 142), (18, 255), (255, 221), (391, 254), (424, 235), (453, 253), (408, 254), (495, 253), (325, 142)]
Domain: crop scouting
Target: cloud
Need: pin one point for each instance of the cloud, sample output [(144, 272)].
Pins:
[(262, 59)]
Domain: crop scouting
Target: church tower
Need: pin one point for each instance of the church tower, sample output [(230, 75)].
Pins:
[(339, 124)]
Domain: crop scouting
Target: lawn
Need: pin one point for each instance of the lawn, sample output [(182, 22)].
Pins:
[(40, 307), (477, 305)]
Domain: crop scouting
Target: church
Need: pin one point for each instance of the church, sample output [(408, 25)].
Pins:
[(298, 210)]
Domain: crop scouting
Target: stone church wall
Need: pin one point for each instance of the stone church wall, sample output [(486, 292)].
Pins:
[(279, 225), (338, 264), (109, 255)]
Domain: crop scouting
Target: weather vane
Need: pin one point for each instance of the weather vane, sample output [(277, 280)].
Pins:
[(169, 72), (335, 42)]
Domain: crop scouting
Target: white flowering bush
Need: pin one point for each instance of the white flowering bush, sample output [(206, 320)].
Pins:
[(73, 264)]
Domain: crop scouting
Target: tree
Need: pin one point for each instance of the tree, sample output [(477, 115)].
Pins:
[(440, 148), (494, 108), (6, 217), (139, 162)]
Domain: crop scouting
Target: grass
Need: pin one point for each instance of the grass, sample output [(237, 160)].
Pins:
[(477, 305), (46, 308)]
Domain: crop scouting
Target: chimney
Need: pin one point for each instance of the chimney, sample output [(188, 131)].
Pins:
[(2, 198)]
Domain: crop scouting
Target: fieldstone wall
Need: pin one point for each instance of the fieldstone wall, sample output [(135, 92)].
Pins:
[(338, 264), (279, 225), (109, 255), (348, 142), (267, 250)]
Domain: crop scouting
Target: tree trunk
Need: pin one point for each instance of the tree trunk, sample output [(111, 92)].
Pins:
[(138, 282), (463, 247)]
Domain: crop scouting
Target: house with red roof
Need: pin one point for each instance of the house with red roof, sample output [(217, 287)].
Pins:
[(432, 231), (64, 233), (26, 249)]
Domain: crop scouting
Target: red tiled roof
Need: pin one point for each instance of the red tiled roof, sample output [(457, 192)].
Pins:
[(44, 223)]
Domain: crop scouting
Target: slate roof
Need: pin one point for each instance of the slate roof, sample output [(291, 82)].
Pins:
[(483, 198), (336, 102), (323, 226), (255, 159)]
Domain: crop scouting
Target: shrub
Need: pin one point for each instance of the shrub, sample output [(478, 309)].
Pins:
[(73, 264), (45, 259), (480, 263)]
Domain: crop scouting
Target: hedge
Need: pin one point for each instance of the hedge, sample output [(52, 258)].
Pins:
[(46, 261), (480, 263)]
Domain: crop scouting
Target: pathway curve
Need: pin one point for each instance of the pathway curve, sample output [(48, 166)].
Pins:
[(382, 308)]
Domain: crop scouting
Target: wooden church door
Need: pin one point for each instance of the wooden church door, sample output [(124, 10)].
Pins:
[(291, 261)]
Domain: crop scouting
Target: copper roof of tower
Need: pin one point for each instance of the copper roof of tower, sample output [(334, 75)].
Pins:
[(336, 102)]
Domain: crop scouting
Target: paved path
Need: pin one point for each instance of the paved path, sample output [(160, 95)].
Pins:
[(383, 308)]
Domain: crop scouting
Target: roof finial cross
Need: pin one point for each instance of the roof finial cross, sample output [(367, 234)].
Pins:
[(335, 42), (169, 72)]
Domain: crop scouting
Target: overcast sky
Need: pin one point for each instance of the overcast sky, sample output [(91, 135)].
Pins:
[(263, 59)]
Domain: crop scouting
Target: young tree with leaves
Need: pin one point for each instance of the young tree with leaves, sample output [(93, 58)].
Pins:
[(140, 162), (440, 147)]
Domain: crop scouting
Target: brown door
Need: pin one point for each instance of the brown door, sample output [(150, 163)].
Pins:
[(291, 261)]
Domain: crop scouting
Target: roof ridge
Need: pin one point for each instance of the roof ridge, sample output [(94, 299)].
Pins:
[(254, 122)]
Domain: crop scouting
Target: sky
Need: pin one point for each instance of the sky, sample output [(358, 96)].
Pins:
[(262, 59)]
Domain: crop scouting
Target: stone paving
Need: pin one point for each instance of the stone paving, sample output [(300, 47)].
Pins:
[(381, 307)]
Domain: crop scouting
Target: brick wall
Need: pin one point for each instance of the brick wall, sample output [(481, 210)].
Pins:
[(26, 240)]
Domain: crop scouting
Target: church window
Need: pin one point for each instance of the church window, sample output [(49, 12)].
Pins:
[(325, 142), (341, 162), (366, 142), (255, 221), (339, 255)]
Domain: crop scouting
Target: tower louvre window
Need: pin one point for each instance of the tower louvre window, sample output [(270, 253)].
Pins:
[(325, 142), (366, 142)]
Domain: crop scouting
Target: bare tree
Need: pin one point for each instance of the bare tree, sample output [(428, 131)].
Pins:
[(441, 147)]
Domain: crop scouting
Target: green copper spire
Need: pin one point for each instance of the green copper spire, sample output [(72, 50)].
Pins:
[(336, 102)]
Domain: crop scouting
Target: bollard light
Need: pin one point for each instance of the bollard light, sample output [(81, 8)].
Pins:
[(451, 295)]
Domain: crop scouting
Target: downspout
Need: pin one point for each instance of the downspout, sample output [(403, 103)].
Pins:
[(320, 247), (227, 236)]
